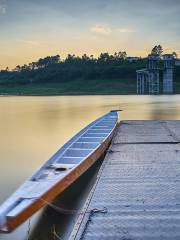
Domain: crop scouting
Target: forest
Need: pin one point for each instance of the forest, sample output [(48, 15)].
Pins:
[(113, 74)]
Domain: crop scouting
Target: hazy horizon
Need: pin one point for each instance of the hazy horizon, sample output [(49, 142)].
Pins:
[(30, 29)]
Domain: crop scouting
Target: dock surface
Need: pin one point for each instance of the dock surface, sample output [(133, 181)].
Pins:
[(137, 193)]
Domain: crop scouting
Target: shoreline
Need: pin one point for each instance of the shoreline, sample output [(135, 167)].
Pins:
[(78, 95), (77, 88)]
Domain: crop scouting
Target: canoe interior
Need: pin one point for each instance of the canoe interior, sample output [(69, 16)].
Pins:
[(81, 145)]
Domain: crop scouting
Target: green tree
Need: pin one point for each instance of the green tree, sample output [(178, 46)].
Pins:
[(157, 50), (174, 54)]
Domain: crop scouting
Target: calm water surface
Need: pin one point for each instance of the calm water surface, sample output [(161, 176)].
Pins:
[(33, 128)]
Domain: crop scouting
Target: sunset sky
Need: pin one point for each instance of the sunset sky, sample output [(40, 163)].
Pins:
[(30, 29)]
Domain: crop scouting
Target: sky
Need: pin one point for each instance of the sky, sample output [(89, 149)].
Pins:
[(30, 29)]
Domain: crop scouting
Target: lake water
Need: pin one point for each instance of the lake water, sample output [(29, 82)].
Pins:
[(33, 128)]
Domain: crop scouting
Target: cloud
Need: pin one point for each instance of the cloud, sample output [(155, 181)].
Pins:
[(28, 43), (101, 29), (2, 8), (171, 49), (107, 30), (125, 30)]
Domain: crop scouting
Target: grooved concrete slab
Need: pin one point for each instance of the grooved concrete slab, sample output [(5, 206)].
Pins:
[(138, 184)]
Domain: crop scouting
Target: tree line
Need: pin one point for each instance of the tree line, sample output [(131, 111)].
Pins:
[(54, 69)]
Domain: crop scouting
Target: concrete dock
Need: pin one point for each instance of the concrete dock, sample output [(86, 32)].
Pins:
[(137, 193)]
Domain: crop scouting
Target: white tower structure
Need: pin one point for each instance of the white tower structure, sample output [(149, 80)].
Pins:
[(168, 60), (148, 78), (153, 69), (142, 81)]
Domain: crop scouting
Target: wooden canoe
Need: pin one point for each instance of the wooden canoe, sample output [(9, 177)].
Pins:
[(61, 170)]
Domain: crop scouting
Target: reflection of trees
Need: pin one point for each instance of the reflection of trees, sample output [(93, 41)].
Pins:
[(164, 110)]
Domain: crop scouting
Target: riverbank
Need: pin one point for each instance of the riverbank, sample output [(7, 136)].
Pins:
[(77, 87)]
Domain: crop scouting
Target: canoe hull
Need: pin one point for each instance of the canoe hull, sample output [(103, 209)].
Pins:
[(14, 222)]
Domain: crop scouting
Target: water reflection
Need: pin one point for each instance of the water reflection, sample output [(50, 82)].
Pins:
[(165, 108), (70, 199), (33, 128)]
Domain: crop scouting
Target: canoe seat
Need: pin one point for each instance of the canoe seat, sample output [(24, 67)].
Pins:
[(61, 166)]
